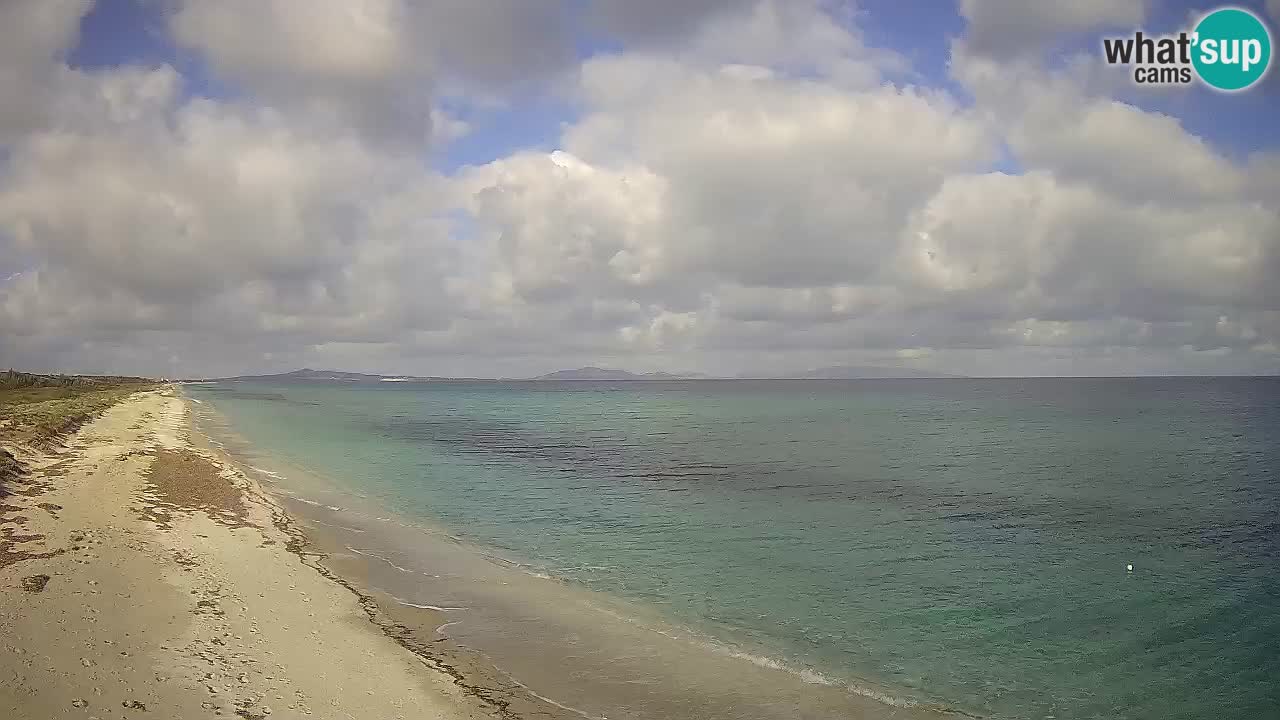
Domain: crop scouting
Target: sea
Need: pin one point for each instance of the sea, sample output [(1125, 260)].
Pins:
[(996, 548)]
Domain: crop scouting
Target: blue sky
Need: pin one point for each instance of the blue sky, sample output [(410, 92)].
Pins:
[(117, 32), (723, 186)]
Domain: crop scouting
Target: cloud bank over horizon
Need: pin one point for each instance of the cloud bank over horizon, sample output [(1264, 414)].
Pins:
[(452, 187)]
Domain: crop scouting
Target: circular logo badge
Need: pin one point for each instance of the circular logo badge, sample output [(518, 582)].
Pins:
[(1232, 49)]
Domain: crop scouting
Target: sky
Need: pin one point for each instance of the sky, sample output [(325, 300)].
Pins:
[(508, 187)]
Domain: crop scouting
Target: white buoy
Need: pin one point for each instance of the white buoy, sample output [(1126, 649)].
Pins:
[(1129, 567)]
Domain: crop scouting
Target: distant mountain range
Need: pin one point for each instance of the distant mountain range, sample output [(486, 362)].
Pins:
[(840, 372), (596, 373), (309, 375)]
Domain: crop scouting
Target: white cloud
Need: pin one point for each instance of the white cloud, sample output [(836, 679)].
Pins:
[(332, 44), (1060, 120), (746, 189), (1005, 28), (1035, 246), (375, 64), (798, 37), (350, 63), (34, 35), (140, 212), (658, 19), (752, 162), (668, 208)]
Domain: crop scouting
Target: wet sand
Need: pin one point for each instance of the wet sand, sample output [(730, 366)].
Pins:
[(142, 575), (539, 640)]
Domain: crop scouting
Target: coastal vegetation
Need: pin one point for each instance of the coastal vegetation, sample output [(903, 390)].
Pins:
[(36, 410)]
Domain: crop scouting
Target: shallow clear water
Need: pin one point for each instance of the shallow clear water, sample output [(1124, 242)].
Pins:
[(960, 542)]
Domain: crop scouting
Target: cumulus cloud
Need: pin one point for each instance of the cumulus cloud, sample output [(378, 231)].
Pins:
[(1007, 28), (374, 65), (349, 63), (742, 186), (660, 19), (141, 212), (1061, 120), (39, 33), (752, 161)]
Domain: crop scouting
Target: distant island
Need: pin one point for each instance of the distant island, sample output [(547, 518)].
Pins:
[(590, 372), (597, 373), (307, 375)]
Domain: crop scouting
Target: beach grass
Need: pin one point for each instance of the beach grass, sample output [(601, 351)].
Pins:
[(36, 410)]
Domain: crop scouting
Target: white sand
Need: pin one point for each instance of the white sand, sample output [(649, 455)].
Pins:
[(194, 621)]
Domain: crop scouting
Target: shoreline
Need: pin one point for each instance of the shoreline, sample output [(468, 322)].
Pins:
[(152, 576), (417, 627), (360, 549), (382, 617)]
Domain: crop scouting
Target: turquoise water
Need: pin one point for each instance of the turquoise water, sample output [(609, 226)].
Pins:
[(962, 542)]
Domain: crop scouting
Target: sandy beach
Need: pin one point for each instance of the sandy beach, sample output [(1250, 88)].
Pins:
[(143, 576)]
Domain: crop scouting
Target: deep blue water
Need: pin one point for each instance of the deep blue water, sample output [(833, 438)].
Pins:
[(963, 542)]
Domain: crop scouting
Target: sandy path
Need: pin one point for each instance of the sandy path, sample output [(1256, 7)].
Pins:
[(151, 609)]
